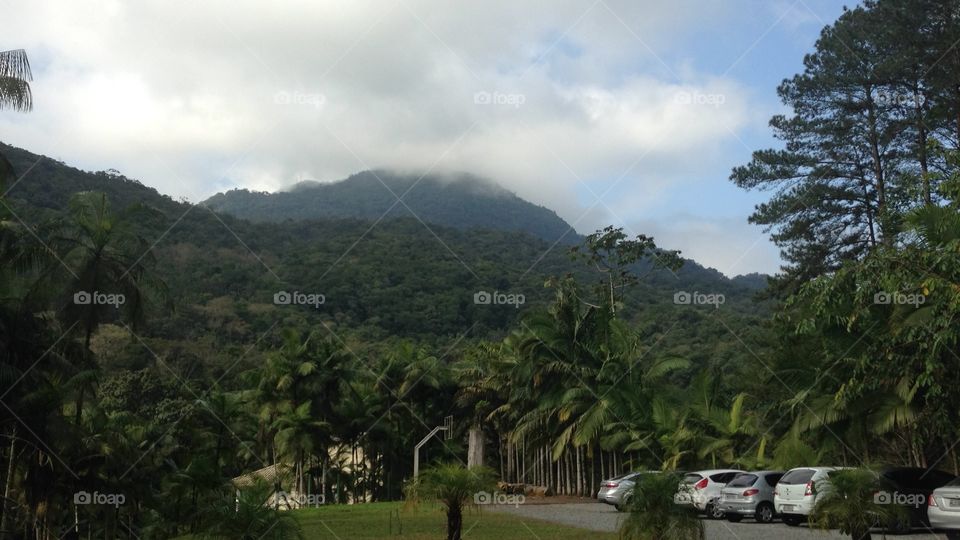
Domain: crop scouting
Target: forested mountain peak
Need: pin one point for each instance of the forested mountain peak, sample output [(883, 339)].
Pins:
[(460, 200)]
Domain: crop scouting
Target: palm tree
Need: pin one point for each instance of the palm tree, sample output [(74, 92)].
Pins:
[(453, 486), (15, 92), (245, 515), (849, 505), (654, 515), (101, 253), (297, 433), (15, 80)]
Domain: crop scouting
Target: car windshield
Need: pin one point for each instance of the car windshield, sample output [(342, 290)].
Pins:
[(743, 480), (797, 476)]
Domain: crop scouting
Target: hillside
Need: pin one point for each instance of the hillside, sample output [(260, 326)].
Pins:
[(462, 201), (399, 281)]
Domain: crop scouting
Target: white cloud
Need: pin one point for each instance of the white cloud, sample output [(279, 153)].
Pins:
[(183, 95)]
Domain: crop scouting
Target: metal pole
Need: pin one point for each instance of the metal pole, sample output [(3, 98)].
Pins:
[(416, 450)]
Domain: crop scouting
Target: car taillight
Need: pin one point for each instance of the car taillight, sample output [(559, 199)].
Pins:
[(931, 500), (809, 491), (751, 492), (776, 491), (701, 484), (611, 484)]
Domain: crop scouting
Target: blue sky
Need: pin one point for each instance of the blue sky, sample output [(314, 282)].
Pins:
[(645, 104)]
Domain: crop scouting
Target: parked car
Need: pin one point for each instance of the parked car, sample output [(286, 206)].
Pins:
[(911, 489), (796, 492), (943, 509), (617, 491), (750, 495), (701, 490)]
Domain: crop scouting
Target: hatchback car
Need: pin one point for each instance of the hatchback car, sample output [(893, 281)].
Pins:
[(796, 493), (911, 489), (701, 490), (750, 495), (943, 509), (617, 491)]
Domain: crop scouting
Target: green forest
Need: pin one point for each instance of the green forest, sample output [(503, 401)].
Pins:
[(148, 362)]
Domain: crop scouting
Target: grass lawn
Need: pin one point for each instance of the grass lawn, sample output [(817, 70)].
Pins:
[(426, 522)]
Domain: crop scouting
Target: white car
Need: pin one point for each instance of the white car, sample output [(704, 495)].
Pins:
[(797, 492), (943, 509), (701, 490)]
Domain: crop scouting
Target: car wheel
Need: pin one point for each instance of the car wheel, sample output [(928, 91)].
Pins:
[(792, 521), (734, 518), (714, 511), (900, 526), (765, 513)]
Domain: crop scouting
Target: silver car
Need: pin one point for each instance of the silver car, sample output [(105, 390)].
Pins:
[(701, 490), (750, 495), (617, 491), (797, 492), (943, 509)]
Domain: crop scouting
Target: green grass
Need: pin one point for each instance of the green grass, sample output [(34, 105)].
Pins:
[(426, 522)]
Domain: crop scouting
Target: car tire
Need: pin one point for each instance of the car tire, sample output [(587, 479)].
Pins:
[(734, 518), (714, 512), (765, 513), (792, 521), (900, 526)]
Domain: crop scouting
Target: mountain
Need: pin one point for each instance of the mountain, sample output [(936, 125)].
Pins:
[(379, 282), (462, 201)]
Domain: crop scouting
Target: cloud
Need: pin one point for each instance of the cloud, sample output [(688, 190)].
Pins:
[(561, 105), (729, 245)]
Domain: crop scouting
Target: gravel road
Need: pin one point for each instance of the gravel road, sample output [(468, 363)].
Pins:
[(601, 517)]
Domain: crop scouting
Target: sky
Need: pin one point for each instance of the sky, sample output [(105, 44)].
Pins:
[(612, 112)]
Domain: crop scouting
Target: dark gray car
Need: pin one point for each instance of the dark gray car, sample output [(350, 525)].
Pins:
[(750, 494)]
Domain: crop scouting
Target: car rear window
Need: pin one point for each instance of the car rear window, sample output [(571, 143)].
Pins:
[(773, 478), (691, 478), (743, 480), (955, 482), (723, 478), (797, 476)]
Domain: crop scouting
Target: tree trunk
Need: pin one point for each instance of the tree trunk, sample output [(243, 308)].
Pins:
[(8, 481), (579, 472), (475, 444), (523, 460), (454, 522), (509, 476)]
